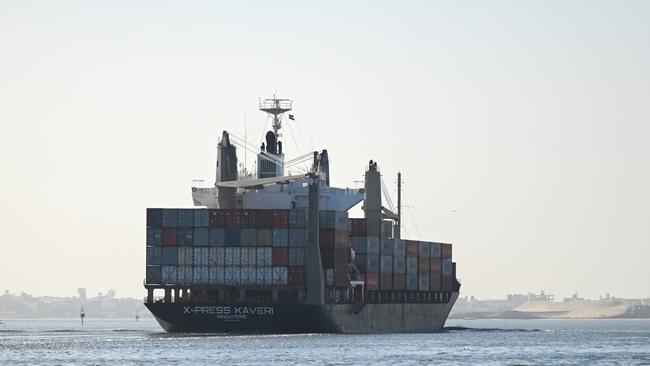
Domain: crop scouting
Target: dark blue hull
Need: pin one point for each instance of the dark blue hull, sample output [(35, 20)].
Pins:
[(295, 318)]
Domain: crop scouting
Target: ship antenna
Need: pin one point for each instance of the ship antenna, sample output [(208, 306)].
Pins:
[(276, 107)]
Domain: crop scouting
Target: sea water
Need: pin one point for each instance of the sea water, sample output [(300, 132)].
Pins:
[(464, 342)]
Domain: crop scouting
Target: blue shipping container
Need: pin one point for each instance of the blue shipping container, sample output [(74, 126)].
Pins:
[(297, 237), (201, 237), (435, 250), (248, 237), (280, 237), (153, 255), (232, 237), (425, 250), (169, 217), (153, 275), (154, 217), (185, 217), (217, 237), (154, 236), (372, 263), (387, 246), (412, 281), (201, 217), (400, 247), (169, 255), (298, 218)]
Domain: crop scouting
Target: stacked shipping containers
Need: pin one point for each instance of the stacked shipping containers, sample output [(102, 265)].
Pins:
[(240, 247), (390, 264)]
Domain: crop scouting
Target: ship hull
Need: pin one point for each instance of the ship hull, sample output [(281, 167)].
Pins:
[(293, 318)]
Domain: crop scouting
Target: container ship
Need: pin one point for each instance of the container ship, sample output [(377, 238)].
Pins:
[(275, 253)]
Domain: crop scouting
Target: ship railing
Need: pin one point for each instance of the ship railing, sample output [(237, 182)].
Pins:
[(155, 299)]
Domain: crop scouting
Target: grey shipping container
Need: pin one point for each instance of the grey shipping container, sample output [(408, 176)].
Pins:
[(386, 264), (185, 217), (169, 217), (280, 276), (185, 275), (201, 217), (280, 237), (233, 256), (201, 237), (201, 257), (154, 217), (216, 256), (296, 256), (412, 282), (153, 275), (248, 256), (399, 264), (184, 236), (387, 246), (435, 250), (264, 256), (446, 267), (425, 250), (372, 263), (412, 265), (297, 218), (185, 256), (248, 237), (217, 237), (154, 236), (365, 244), (154, 255), (215, 275), (400, 248), (201, 275), (264, 237), (386, 229), (232, 237), (297, 237), (169, 274), (423, 283), (170, 255), (334, 220)]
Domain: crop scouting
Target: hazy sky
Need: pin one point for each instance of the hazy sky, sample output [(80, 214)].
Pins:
[(522, 128)]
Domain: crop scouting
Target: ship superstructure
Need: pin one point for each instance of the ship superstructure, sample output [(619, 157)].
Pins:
[(275, 253)]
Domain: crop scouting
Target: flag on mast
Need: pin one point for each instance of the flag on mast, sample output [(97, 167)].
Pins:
[(291, 117)]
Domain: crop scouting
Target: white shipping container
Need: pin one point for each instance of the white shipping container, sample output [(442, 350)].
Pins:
[(185, 275), (216, 256), (263, 257), (248, 275), (169, 274), (233, 256), (215, 275), (264, 276), (201, 275), (200, 256), (232, 275), (185, 256), (248, 256), (280, 275)]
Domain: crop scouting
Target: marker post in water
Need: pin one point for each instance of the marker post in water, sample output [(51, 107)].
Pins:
[(82, 315)]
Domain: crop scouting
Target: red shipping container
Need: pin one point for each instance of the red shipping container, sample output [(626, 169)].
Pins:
[(168, 236), (280, 256), (386, 281), (264, 219), (357, 227), (296, 276), (341, 276), (435, 266), (327, 238), (327, 257), (280, 218), (436, 282), (412, 248), (372, 281), (446, 251), (216, 218), (232, 218), (399, 281)]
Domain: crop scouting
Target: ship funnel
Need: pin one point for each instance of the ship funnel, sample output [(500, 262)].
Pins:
[(325, 166), (226, 171)]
